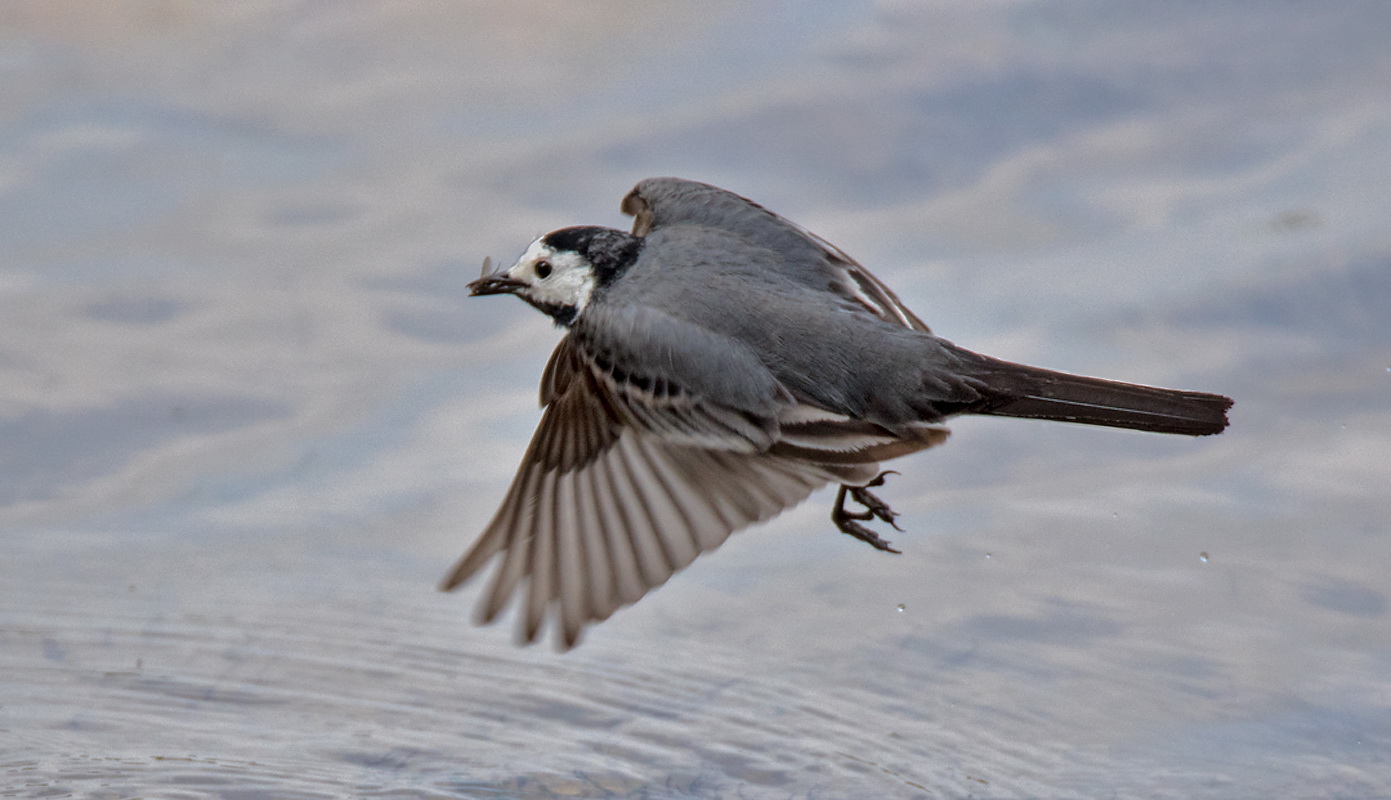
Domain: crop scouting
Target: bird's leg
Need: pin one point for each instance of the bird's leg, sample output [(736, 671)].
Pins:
[(874, 507), (849, 521)]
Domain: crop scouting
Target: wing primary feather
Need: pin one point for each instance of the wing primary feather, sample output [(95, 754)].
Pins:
[(622, 541), (559, 531), (739, 493), (709, 525), (628, 501), (785, 481), (487, 546), (515, 556), (768, 501), (538, 571), (572, 568), (684, 542), (594, 525), (656, 559), (499, 533), (771, 484), (726, 499), (659, 473), (514, 523)]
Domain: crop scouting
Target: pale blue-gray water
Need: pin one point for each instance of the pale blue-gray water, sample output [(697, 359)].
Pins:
[(249, 417)]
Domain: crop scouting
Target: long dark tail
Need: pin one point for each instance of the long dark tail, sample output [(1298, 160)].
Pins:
[(1016, 390)]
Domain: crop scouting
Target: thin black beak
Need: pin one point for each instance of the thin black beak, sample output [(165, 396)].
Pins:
[(495, 284)]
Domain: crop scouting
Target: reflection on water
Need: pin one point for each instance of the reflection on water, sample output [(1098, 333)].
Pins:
[(248, 416)]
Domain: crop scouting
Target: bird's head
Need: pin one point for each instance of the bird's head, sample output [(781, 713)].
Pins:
[(560, 272)]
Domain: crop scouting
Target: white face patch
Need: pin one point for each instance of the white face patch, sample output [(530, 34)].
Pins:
[(554, 277)]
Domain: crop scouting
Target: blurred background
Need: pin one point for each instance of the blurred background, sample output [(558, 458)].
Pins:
[(248, 417)]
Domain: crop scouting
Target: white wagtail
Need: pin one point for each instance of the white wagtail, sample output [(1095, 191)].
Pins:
[(721, 364)]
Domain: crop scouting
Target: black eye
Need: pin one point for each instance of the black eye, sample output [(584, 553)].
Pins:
[(543, 269)]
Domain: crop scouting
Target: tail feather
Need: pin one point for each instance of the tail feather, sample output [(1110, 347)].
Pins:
[(1016, 390)]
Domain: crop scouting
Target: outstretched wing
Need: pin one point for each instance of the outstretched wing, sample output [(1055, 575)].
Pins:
[(623, 485), (658, 202)]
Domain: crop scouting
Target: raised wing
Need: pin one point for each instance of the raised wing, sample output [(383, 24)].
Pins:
[(658, 202)]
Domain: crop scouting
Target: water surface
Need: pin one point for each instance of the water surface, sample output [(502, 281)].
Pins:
[(248, 417)]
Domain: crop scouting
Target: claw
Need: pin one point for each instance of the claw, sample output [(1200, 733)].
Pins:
[(879, 479), (874, 507), (849, 521)]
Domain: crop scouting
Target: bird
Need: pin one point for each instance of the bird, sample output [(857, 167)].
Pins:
[(721, 363)]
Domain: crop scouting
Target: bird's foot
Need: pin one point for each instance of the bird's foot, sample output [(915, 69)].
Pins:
[(849, 521)]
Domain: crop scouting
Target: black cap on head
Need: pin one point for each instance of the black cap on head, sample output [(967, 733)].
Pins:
[(610, 251)]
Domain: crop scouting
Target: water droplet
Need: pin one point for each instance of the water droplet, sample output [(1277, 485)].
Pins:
[(1203, 557), (902, 608), (987, 555)]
